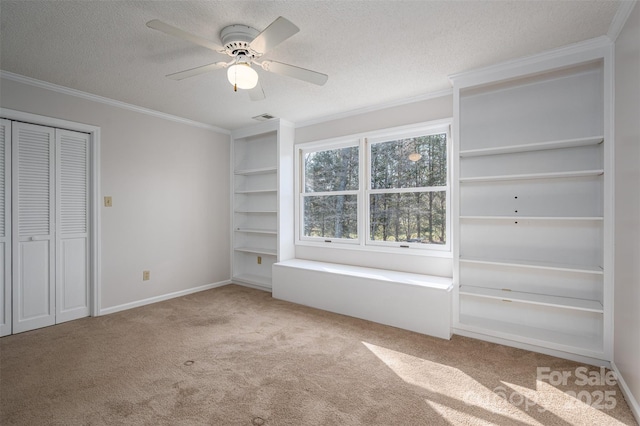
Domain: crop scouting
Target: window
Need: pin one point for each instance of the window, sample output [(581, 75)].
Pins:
[(408, 190), (389, 189), (330, 199)]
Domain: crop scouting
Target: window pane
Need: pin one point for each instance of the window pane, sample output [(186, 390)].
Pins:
[(415, 217), (331, 216), (392, 168), (332, 170)]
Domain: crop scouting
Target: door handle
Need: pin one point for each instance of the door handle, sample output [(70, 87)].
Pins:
[(39, 237)]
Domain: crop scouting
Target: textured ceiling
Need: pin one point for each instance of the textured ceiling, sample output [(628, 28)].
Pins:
[(374, 52)]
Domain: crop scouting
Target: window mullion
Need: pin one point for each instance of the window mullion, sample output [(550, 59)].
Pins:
[(404, 190), (363, 198), (326, 193)]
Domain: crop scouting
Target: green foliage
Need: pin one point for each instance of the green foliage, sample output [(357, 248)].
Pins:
[(331, 216), (332, 170), (415, 216), (391, 167)]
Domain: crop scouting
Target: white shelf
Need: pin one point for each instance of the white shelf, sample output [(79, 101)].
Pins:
[(266, 252), (256, 191), (532, 298), (253, 279), (531, 176), (540, 146), (537, 265), (256, 211), (549, 218), (257, 231), (590, 345), (260, 171)]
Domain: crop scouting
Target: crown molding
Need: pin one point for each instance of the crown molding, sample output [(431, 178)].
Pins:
[(620, 18), (111, 102), (583, 51), (359, 111), (272, 125)]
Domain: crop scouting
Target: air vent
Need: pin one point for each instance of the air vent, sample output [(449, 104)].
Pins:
[(263, 117)]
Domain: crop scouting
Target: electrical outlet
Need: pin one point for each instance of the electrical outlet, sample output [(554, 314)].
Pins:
[(146, 275), (259, 260), (107, 201)]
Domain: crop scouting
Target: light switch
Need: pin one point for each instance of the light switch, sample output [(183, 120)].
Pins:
[(107, 201), (146, 275)]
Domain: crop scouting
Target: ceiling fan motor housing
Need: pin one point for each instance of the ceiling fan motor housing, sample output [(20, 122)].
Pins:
[(236, 40)]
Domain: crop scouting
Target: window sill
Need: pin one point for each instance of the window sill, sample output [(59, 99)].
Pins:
[(423, 252)]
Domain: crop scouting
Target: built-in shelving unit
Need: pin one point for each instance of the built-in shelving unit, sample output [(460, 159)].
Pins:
[(532, 246), (261, 201)]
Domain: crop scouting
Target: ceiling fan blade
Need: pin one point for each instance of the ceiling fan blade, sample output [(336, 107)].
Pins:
[(295, 72), (277, 32), (177, 32), (256, 94), (196, 71)]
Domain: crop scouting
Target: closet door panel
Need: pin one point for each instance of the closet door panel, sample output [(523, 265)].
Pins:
[(33, 226), (5, 227), (35, 289), (72, 181), (72, 291)]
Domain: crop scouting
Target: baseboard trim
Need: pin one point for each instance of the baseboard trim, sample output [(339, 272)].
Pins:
[(626, 392), (583, 359), (155, 299)]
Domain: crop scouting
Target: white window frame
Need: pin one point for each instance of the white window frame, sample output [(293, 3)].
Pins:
[(300, 189), (364, 141)]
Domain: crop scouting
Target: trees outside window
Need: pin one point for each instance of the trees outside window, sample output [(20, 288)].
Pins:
[(390, 190), (331, 182), (407, 199)]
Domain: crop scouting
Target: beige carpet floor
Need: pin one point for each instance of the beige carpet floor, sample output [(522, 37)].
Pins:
[(235, 356)]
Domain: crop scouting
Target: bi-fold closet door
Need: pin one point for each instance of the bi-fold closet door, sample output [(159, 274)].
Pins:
[(5, 227), (49, 185)]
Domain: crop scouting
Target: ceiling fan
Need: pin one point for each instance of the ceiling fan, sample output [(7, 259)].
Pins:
[(245, 45)]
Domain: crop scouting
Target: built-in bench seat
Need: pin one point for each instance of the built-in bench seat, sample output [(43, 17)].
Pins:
[(415, 302)]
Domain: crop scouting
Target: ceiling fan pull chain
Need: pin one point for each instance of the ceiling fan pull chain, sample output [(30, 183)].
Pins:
[(235, 77)]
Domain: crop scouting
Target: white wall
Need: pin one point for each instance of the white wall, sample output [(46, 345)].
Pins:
[(627, 204), (412, 113), (170, 187)]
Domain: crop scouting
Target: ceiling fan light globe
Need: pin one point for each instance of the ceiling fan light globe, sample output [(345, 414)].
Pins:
[(242, 76)]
